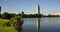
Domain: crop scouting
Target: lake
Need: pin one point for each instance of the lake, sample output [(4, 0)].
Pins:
[(46, 24)]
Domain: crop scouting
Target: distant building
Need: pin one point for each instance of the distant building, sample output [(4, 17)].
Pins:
[(0, 9), (37, 19), (38, 9)]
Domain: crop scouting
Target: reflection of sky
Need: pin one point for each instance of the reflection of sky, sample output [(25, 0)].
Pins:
[(50, 21), (29, 25), (50, 24), (29, 21), (46, 24)]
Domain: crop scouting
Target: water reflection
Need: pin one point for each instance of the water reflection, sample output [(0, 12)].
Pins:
[(42, 24), (31, 24), (50, 25), (38, 24)]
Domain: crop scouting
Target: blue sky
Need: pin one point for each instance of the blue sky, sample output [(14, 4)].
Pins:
[(29, 6)]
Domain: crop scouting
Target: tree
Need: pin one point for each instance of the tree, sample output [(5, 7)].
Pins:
[(6, 15)]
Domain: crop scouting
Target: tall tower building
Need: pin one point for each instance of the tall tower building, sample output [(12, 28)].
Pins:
[(38, 9), (0, 9), (38, 19)]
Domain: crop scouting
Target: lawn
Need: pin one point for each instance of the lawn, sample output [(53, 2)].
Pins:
[(7, 29), (4, 28), (3, 22)]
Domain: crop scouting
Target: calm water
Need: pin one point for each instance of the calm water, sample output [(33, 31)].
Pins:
[(46, 24)]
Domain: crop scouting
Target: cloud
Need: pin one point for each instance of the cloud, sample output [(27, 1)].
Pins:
[(55, 12)]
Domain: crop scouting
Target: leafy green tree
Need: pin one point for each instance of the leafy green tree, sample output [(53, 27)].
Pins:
[(5, 15)]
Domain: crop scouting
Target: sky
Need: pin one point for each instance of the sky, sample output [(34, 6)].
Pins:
[(29, 6)]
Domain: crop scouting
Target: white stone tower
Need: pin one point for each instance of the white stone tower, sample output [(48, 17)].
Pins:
[(0, 9), (38, 19), (38, 9)]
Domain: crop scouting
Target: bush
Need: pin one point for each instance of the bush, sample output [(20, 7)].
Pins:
[(16, 18)]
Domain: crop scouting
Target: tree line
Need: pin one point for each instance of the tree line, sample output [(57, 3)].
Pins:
[(7, 15)]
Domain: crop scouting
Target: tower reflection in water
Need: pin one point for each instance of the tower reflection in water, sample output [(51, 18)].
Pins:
[(38, 24)]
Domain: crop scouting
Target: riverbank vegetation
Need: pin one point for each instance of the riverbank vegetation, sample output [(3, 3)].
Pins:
[(10, 23), (4, 27)]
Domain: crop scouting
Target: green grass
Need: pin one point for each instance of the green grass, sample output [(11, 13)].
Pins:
[(4, 28), (3, 22), (7, 29)]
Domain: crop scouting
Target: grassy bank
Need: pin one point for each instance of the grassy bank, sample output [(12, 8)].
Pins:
[(3, 22), (7, 29), (4, 28)]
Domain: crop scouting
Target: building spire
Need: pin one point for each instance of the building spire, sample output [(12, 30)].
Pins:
[(0, 9), (37, 9)]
